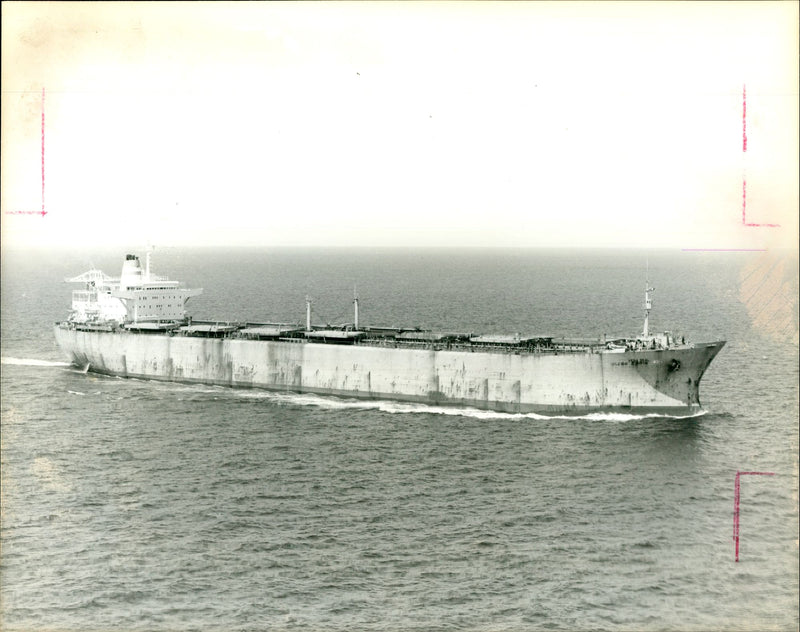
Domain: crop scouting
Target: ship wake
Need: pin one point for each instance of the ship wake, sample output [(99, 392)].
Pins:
[(31, 362), (393, 407), (334, 403)]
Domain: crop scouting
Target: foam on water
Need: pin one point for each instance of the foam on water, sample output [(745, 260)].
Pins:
[(31, 362), (332, 402), (394, 407)]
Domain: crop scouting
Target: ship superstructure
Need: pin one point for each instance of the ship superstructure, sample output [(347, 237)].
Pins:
[(138, 327), (137, 299)]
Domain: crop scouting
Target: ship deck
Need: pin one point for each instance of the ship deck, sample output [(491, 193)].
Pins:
[(387, 337)]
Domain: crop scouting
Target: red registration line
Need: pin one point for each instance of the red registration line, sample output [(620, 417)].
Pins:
[(43, 211), (744, 177), (736, 504)]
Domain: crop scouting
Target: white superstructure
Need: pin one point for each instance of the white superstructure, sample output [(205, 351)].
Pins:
[(136, 297)]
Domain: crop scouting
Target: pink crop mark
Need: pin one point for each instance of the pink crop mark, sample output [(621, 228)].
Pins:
[(43, 211), (744, 118), (744, 177), (736, 504), (744, 192)]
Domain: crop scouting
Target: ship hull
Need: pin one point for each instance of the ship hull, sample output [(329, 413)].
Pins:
[(644, 381)]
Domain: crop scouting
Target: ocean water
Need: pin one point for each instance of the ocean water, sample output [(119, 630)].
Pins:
[(136, 505)]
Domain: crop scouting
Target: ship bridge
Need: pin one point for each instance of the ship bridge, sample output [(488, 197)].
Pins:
[(137, 296)]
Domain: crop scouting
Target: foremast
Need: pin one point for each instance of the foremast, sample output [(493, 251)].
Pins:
[(648, 305)]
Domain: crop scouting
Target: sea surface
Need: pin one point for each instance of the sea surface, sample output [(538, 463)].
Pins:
[(137, 505)]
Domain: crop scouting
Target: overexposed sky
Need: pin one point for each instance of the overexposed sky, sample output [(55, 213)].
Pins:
[(383, 124)]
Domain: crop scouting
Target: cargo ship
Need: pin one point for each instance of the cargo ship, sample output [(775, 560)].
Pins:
[(137, 326)]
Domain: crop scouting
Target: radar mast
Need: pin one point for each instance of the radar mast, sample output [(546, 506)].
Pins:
[(648, 303)]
